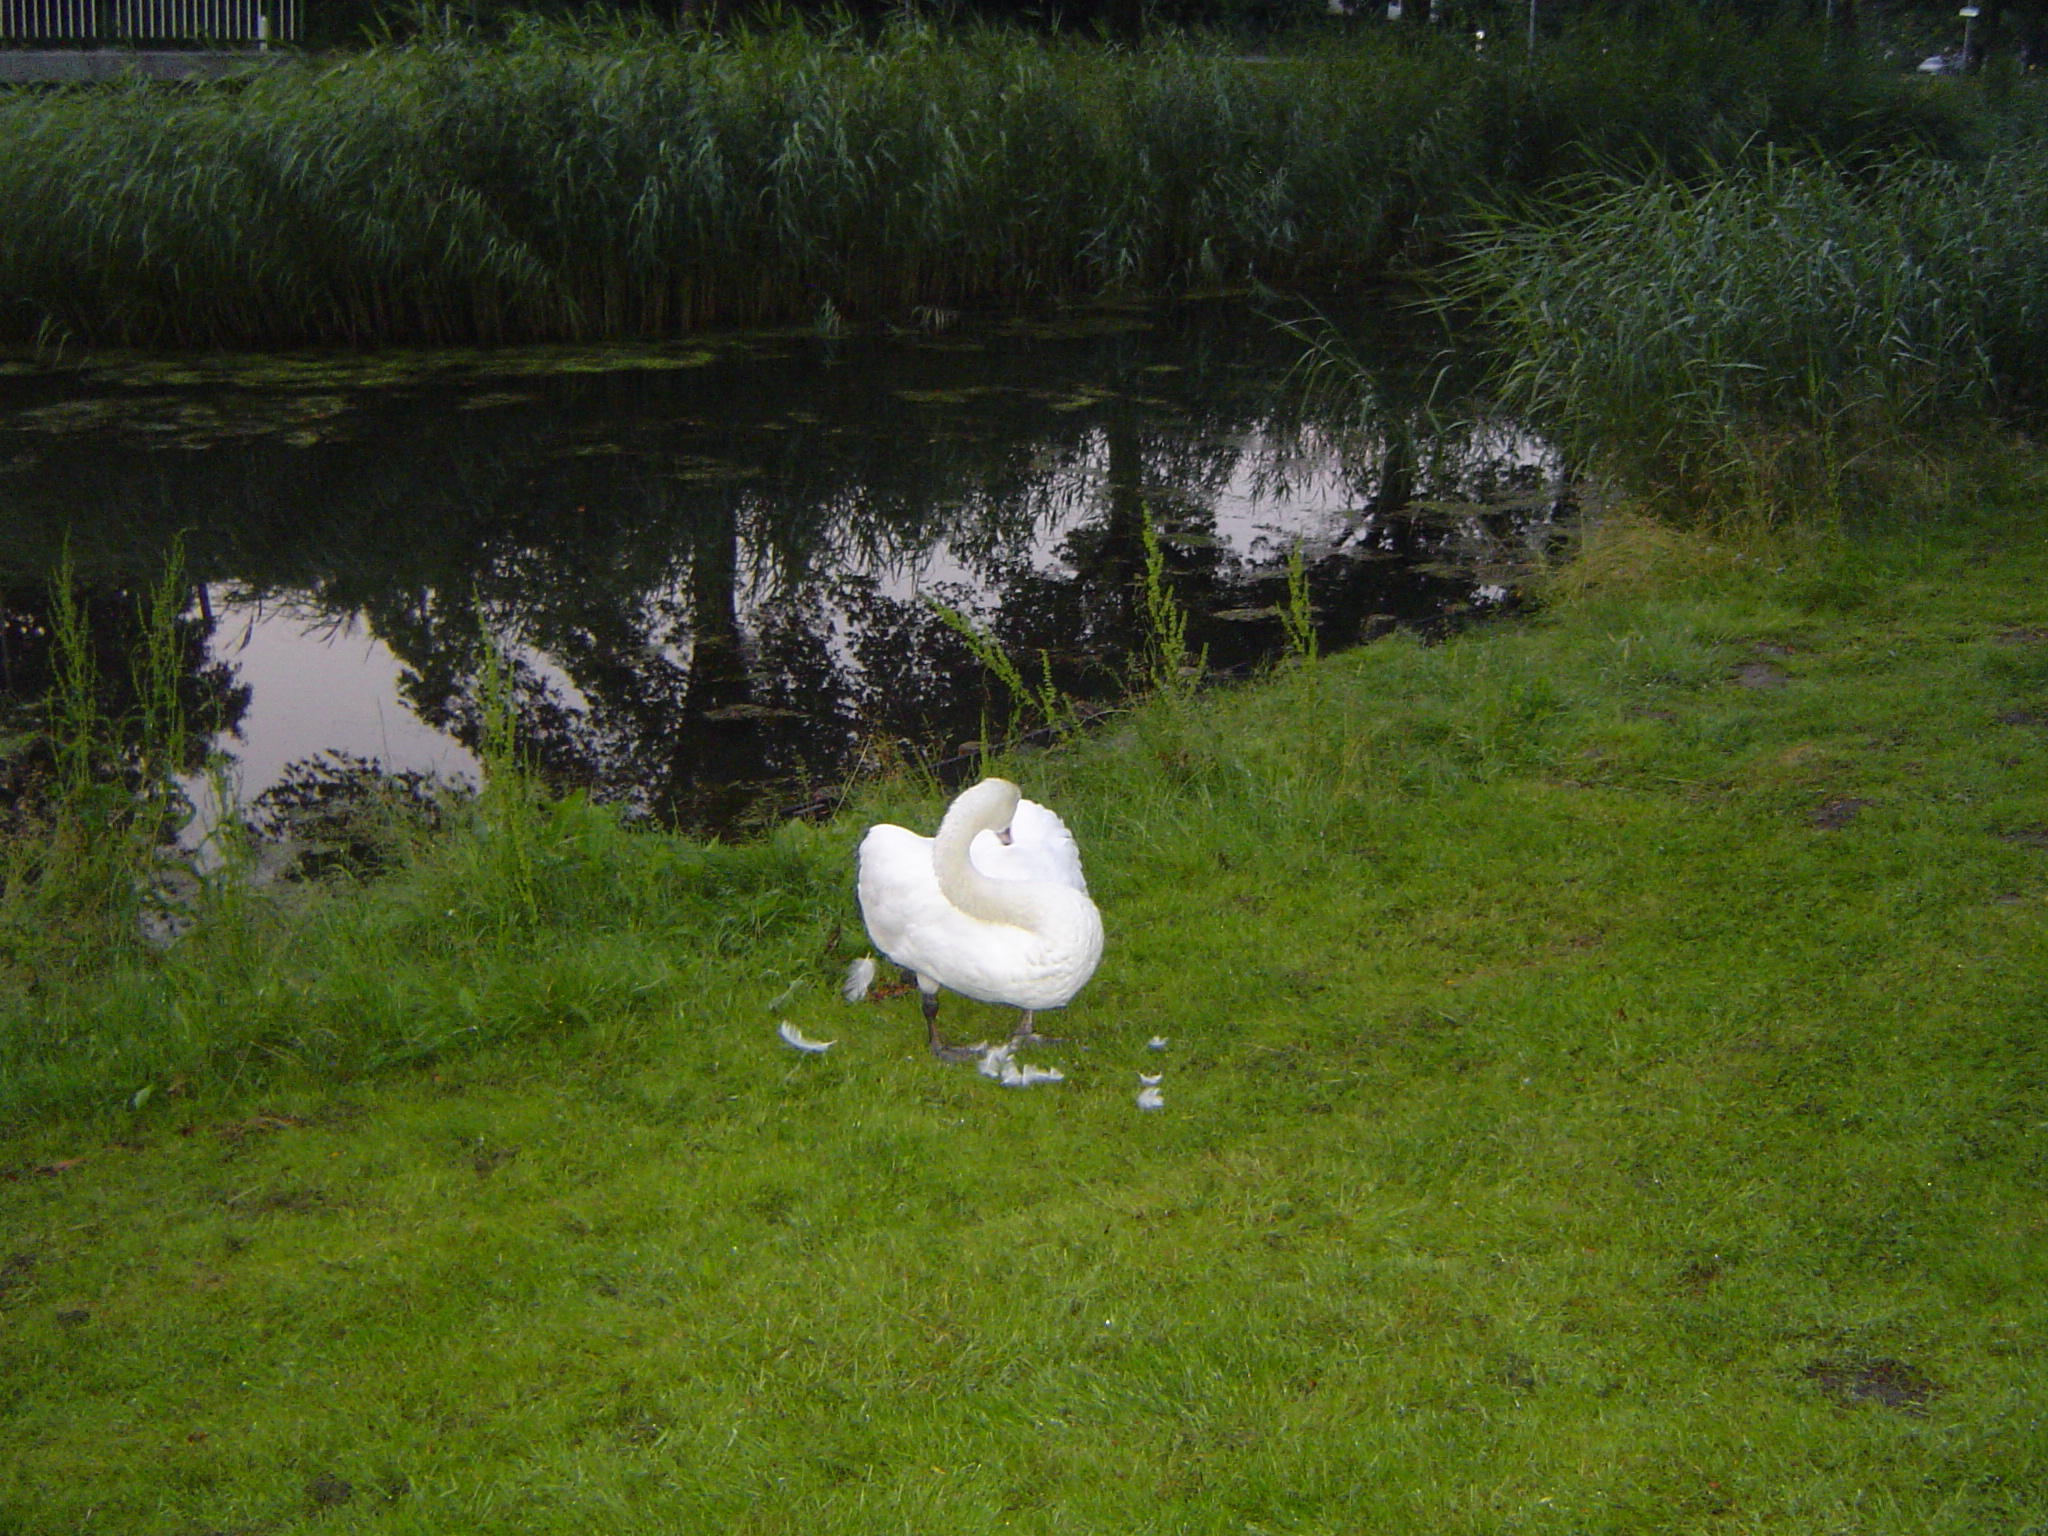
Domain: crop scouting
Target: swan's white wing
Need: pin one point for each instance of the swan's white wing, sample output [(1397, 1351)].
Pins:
[(1039, 960), (900, 899), (1040, 848)]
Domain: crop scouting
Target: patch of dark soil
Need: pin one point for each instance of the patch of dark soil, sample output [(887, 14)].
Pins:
[(290, 1201), (1698, 1276), (1769, 648), (326, 1490), (490, 1159), (2023, 717), (338, 1115), (1760, 675), (256, 1124), (1644, 712), (2022, 636), (1888, 1383), (637, 1426), (1837, 813), (2026, 837), (1515, 1372), (14, 1269), (1423, 1021), (72, 1317)]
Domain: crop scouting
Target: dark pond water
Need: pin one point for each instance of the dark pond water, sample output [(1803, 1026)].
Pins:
[(713, 565)]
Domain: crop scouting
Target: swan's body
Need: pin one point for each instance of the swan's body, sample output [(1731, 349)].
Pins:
[(994, 907)]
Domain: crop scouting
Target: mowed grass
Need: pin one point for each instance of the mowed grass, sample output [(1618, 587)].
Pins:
[(1580, 1117)]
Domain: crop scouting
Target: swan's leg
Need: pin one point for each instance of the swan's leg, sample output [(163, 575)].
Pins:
[(929, 1001), (1024, 1034)]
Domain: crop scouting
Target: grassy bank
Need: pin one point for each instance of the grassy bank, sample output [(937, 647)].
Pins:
[(568, 183), (1605, 1091)]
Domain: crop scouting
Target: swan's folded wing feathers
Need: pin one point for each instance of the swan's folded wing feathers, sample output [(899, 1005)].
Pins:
[(1034, 937), (1040, 848), (899, 891)]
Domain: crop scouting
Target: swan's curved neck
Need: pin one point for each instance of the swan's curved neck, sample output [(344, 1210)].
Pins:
[(967, 888)]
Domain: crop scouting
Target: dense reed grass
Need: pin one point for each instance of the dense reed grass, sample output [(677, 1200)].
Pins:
[(583, 182), (1673, 326), (569, 185)]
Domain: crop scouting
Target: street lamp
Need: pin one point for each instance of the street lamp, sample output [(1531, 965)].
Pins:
[(1969, 13)]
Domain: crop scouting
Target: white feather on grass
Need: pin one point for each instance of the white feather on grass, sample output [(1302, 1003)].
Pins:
[(1148, 1098), (994, 1059), (797, 1040), (1150, 1082), (860, 976), (1156, 1043), (1016, 1076)]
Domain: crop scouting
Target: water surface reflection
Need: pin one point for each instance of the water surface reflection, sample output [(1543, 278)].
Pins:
[(713, 564)]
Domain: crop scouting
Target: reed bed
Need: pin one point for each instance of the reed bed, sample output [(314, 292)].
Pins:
[(1666, 321), (577, 182), (555, 187)]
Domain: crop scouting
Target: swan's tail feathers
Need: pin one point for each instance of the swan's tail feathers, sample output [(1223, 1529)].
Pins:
[(860, 976)]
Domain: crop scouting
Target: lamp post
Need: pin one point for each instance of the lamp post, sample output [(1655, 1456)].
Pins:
[(1969, 14)]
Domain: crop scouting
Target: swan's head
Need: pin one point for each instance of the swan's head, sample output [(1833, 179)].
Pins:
[(987, 807)]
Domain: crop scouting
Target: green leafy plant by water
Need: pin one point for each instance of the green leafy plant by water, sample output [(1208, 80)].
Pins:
[(89, 844), (1171, 669), (508, 809), (1297, 614)]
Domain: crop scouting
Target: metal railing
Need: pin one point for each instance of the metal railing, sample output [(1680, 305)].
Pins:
[(154, 21)]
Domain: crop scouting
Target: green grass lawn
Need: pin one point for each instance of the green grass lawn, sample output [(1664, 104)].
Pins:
[(1606, 1091)]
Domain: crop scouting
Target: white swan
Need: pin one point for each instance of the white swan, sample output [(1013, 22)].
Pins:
[(995, 907)]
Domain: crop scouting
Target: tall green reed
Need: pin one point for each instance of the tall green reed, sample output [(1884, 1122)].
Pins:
[(1297, 614), (83, 854), (588, 180), (1171, 668), (1771, 325), (508, 808)]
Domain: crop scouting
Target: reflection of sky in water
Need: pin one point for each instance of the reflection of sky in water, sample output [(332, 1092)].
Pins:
[(318, 682), (321, 683), (806, 506)]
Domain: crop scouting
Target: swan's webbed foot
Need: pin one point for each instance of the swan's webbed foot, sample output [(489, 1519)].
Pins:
[(929, 1001), (1024, 1034)]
